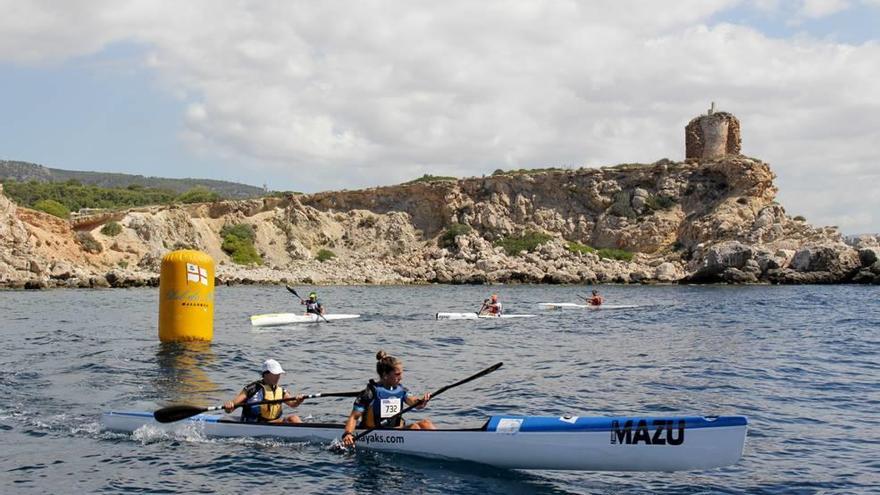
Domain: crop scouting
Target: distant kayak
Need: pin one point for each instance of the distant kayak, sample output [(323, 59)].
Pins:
[(288, 318), (474, 316), (587, 306)]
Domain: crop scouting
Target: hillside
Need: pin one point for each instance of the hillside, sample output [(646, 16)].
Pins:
[(24, 172)]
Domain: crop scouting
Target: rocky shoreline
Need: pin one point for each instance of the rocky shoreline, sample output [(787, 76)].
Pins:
[(696, 221)]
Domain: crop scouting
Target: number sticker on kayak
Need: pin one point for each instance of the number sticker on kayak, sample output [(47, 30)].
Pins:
[(390, 407), (660, 432)]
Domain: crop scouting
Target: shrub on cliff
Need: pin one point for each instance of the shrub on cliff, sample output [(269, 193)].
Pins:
[(325, 255), (52, 207), (447, 240), (88, 242), (528, 241), (111, 229), (661, 202), (432, 178), (75, 196), (198, 195), (238, 243), (615, 254)]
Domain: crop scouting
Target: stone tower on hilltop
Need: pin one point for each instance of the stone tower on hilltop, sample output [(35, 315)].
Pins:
[(713, 135)]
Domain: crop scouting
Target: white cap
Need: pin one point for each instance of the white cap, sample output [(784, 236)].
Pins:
[(272, 366)]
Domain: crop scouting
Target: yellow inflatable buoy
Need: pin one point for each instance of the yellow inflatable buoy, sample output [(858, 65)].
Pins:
[(186, 296)]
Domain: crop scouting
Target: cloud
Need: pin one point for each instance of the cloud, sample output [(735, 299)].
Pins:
[(324, 95)]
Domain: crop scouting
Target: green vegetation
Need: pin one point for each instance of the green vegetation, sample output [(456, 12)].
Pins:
[(325, 255), (52, 207), (238, 243), (526, 171), (615, 254), (800, 218), (447, 240), (122, 264), (661, 202), (528, 241), (576, 247), (605, 253), (622, 206), (432, 178), (111, 229), (199, 194), (88, 242), (74, 196)]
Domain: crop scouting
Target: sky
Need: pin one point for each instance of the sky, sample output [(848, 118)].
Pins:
[(314, 96)]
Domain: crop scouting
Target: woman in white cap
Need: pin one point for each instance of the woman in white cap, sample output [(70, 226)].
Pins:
[(261, 390)]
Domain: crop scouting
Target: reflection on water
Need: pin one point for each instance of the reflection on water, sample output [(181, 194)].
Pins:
[(181, 375)]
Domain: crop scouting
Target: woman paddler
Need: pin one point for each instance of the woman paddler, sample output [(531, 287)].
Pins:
[(595, 299), (385, 399), (266, 388)]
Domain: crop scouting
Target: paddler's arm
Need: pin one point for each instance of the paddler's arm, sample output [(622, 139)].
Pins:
[(230, 405), (350, 424)]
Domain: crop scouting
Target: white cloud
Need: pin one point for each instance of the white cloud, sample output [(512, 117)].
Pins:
[(815, 9), (323, 95)]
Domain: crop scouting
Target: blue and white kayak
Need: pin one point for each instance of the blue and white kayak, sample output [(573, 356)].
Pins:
[(668, 443), (275, 319), (475, 316)]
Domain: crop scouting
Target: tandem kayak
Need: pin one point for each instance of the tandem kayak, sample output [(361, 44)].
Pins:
[(587, 306), (474, 316), (288, 318), (668, 443)]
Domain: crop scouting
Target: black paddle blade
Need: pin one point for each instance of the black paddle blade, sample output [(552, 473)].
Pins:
[(171, 414)]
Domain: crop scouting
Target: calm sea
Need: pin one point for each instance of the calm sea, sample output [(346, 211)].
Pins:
[(802, 362)]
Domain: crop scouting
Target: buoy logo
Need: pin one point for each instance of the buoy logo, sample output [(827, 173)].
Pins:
[(195, 273)]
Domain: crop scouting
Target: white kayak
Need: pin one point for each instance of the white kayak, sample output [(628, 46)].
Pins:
[(517, 442), (587, 306), (474, 316), (288, 318)]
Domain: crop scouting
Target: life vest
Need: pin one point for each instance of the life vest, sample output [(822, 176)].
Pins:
[(494, 308), (385, 403), (595, 301), (313, 307), (255, 413)]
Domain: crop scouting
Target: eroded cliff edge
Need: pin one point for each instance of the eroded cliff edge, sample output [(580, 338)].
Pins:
[(701, 220)]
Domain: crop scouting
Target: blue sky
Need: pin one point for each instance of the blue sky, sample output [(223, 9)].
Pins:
[(330, 95)]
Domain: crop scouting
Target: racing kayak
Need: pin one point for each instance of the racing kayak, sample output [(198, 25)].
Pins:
[(288, 318), (667, 443), (474, 316), (586, 306)]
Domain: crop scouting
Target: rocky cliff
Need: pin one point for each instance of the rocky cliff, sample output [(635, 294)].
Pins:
[(701, 220)]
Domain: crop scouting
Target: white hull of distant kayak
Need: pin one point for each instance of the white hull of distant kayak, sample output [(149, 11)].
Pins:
[(289, 318), (586, 306), (475, 316), (516, 442)]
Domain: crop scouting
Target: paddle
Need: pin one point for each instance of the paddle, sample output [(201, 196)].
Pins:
[(482, 307), (303, 301), (171, 414), (387, 421)]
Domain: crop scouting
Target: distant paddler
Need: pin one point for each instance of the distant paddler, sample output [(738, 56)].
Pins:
[(595, 299), (252, 396), (312, 304), (491, 307), (385, 400)]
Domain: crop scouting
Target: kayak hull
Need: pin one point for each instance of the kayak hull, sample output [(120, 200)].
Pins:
[(515, 442), (586, 306), (269, 320), (474, 316)]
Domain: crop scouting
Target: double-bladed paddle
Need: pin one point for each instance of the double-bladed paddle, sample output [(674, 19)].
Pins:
[(171, 414), (303, 301), (388, 421)]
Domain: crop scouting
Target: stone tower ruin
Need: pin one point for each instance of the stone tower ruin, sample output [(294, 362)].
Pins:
[(713, 135)]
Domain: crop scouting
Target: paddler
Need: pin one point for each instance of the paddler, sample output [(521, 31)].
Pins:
[(313, 306), (385, 399), (266, 388), (491, 306), (596, 299)]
